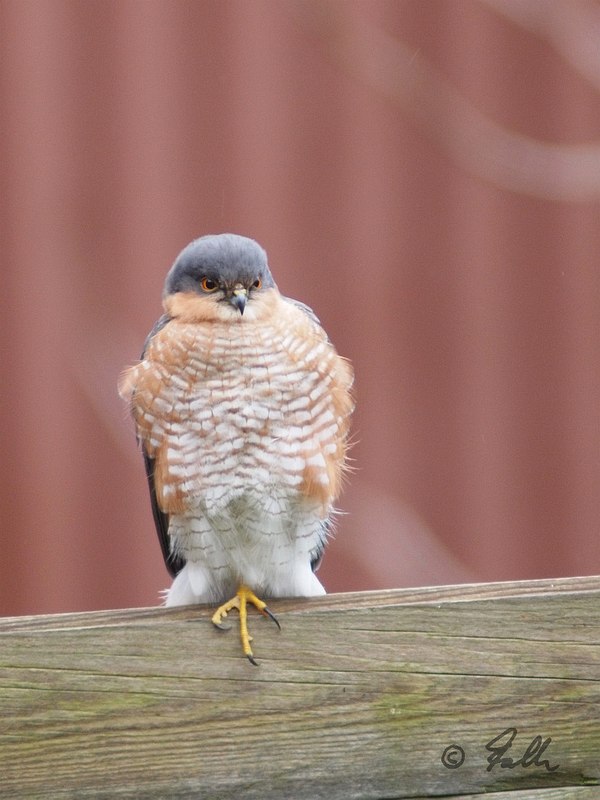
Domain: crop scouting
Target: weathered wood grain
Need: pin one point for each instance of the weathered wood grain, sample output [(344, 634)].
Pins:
[(358, 696)]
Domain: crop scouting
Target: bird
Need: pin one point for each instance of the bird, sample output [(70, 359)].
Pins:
[(242, 408)]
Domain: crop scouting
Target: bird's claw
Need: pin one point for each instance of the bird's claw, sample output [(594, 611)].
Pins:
[(243, 596), (268, 613), (222, 611)]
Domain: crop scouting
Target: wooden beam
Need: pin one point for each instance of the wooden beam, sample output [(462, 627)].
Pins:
[(437, 692)]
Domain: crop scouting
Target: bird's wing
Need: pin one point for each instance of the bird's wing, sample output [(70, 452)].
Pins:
[(317, 554), (174, 563), (158, 326), (303, 307)]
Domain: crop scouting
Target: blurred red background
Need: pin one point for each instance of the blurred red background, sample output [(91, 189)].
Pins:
[(425, 175)]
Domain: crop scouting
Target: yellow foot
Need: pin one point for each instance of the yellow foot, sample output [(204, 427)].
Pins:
[(243, 596)]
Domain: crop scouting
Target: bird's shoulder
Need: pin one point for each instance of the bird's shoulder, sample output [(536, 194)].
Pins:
[(158, 326), (306, 310)]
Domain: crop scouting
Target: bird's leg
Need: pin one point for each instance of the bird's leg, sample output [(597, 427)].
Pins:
[(243, 596)]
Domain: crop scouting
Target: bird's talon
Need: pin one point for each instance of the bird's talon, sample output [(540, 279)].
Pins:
[(268, 613), (221, 612), (243, 596)]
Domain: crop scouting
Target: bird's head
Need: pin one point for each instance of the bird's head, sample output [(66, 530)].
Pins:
[(217, 277)]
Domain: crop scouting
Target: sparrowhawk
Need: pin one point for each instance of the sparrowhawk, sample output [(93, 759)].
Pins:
[(242, 407)]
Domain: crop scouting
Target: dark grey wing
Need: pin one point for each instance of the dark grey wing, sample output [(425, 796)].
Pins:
[(174, 563), (158, 326), (317, 554), (303, 307)]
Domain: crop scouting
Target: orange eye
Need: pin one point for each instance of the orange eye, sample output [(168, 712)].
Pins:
[(257, 284), (209, 285)]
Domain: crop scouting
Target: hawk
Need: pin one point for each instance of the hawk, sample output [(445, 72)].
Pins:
[(242, 407)]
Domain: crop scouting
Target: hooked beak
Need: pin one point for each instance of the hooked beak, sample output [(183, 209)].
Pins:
[(238, 298)]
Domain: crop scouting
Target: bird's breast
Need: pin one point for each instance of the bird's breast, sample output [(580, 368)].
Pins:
[(242, 410)]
